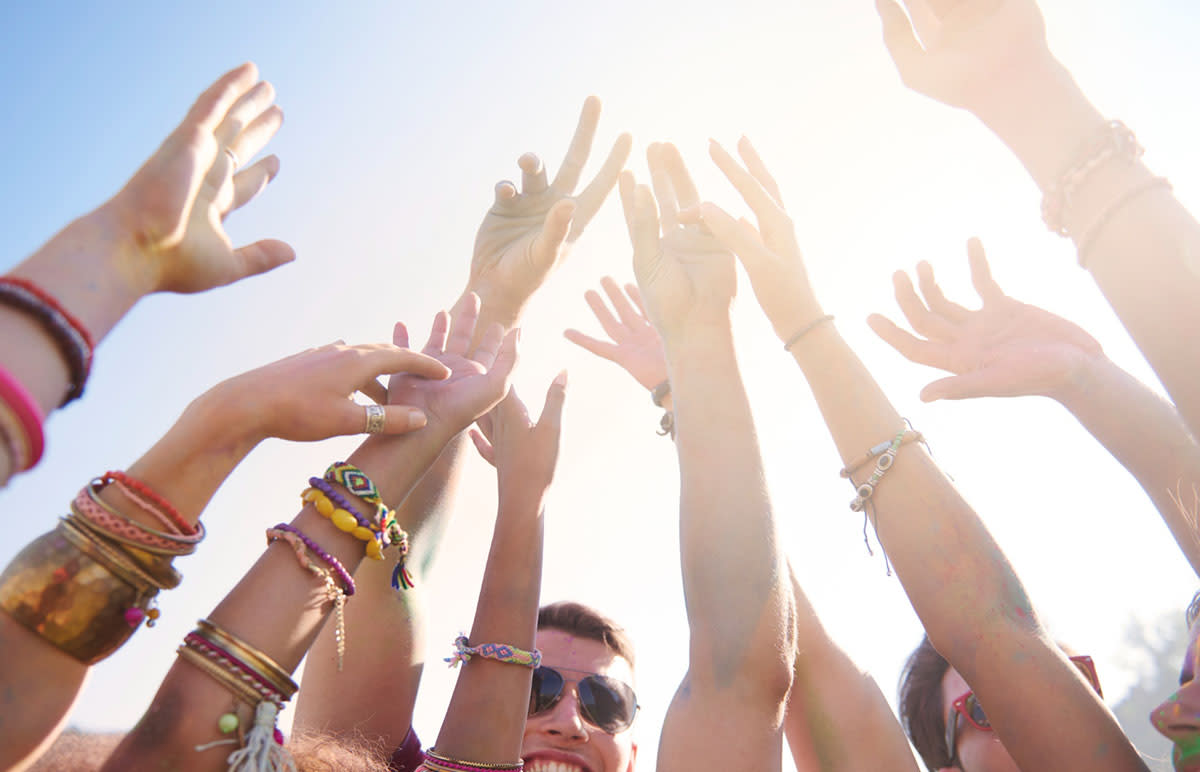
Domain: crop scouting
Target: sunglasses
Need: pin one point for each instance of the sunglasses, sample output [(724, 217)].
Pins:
[(603, 702), (969, 708)]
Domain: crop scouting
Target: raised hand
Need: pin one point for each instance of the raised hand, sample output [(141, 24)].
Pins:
[(306, 397), (478, 376), (634, 343), (525, 234), (524, 453), (1004, 349), (175, 205), (769, 252), (686, 277), (972, 48)]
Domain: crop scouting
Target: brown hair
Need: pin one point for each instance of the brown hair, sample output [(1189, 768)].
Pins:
[(921, 711), (586, 622)]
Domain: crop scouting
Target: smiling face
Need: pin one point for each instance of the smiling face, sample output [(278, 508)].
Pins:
[(560, 739), (1178, 718)]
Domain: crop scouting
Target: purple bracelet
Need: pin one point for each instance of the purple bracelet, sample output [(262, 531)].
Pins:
[(341, 501), (326, 558)]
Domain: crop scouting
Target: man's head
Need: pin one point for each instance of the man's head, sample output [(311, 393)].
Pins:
[(585, 683)]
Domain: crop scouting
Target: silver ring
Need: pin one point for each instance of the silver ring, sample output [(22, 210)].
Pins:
[(237, 162), (375, 416)]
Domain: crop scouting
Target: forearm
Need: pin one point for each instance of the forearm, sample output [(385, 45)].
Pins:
[(91, 269), (486, 717), (970, 601), (837, 718), (278, 608), (734, 575), (1147, 436)]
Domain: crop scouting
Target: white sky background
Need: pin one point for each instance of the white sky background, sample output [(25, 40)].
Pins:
[(401, 117)]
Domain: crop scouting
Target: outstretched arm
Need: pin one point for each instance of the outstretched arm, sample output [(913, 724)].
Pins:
[(971, 603), (162, 232), (303, 397), (523, 236), (1008, 349), (735, 580), (278, 608), (991, 58), (485, 721)]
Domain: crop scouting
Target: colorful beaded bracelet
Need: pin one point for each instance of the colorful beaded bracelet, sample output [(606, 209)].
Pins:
[(386, 527), (333, 593), (73, 340), (340, 501), (500, 652), (28, 415), (329, 560), (344, 521)]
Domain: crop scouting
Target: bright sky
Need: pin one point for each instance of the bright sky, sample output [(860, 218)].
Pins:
[(400, 117)]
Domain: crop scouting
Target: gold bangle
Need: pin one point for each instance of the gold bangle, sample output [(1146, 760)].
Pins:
[(240, 690), (64, 591), (157, 567), (164, 578), (433, 755), (255, 658)]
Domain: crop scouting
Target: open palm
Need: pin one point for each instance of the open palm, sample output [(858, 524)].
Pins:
[(1005, 349), (478, 378)]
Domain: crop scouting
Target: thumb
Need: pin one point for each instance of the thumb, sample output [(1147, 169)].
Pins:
[(263, 256)]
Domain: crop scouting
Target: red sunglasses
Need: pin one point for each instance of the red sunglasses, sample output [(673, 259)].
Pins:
[(969, 708)]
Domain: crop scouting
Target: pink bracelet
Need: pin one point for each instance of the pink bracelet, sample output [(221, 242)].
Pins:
[(145, 497), (90, 507), (28, 415)]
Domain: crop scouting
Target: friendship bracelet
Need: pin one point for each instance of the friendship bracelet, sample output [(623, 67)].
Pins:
[(255, 658), (74, 341), (325, 557), (158, 506), (92, 490), (241, 690), (806, 329), (28, 414), (1089, 234), (501, 652), (355, 480), (864, 491), (438, 762), (1114, 140), (105, 526), (851, 468)]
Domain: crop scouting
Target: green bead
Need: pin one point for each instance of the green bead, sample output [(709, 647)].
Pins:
[(228, 723)]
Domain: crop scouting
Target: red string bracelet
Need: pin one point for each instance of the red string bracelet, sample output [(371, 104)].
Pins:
[(158, 501)]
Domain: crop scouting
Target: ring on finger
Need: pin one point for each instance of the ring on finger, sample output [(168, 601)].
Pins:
[(233, 158), (375, 419)]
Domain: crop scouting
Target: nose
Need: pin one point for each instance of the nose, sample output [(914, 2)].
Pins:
[(1179, 717), (564, 719)]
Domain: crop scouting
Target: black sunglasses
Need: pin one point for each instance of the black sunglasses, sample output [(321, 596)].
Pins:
[(603, 702)]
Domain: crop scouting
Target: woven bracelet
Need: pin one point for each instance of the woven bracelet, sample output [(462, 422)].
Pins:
[(73, 340), (500, 652)]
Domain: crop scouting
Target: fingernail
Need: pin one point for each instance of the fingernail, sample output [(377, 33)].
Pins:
[(416, 419), (561, 379)]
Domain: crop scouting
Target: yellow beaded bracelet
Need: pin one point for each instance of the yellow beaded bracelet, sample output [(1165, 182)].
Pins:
[(343, 520)]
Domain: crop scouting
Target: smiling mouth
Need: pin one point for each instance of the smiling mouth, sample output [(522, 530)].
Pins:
[(542, 765)]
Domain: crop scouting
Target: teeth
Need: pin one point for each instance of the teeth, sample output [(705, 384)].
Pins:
[(552, 766)]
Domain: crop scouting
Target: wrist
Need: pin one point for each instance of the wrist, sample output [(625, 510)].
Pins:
[(1083, 383), (1043, 117), (698, 342), (495, 306)]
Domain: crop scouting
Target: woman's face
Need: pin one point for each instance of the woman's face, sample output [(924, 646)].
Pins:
[(1178, 718)]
